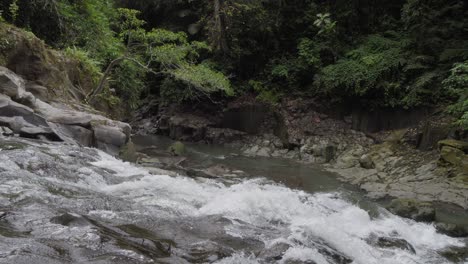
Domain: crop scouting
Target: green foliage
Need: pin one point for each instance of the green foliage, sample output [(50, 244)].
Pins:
[(174, 91), (457, 85), (309, 51), (87, 65), (325, 24), (179, 58), (14, 8), (203, 79), (129, 82), (87, 25), (264, 94), (366, 69)]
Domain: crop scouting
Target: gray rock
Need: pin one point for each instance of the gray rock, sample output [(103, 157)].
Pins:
[(81, 135), (366, 162), (414, 209), (11, 84), (65, 117), (109, 135), (9, 108), (391, 242), (264, 152), (452, 229), (38, 91), (6, 131)]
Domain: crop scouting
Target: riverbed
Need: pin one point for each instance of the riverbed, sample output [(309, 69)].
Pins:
[(66, 204)]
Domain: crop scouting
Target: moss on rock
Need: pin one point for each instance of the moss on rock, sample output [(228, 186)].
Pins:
[(177, 148)]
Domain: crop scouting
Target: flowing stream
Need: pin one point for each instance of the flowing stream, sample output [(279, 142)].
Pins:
[(65, 204)]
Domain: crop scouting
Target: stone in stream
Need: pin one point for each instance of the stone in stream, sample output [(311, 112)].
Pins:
[(275, 252), (390, 242), (71, 220), (177, 148), (455, 254), (452, 229), (413, 209)]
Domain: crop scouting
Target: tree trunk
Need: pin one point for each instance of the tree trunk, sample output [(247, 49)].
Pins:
[(219, 34), (103, 80)]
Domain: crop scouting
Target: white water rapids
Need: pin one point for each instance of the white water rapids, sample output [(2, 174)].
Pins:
[(253, 209), (261, 203)]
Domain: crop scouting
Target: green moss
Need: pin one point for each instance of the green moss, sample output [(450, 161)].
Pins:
[(11, 145), (177, 148)]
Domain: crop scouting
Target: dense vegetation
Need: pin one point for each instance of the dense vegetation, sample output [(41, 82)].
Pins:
[(374, 54)]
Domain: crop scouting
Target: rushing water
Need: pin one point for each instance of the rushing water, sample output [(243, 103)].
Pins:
[(64, 204)]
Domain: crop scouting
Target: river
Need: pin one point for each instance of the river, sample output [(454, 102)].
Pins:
[(65, 204)]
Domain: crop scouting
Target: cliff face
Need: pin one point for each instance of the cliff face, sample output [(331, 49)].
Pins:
[(42, 92), (31, 58)]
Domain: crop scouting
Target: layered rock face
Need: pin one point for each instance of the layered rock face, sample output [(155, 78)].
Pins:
[(24, 114)]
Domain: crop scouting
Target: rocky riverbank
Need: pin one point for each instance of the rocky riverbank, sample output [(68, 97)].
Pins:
[(23, 114), (423, 161)]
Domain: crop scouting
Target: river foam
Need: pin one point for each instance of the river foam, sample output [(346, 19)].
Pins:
[(292, 217)]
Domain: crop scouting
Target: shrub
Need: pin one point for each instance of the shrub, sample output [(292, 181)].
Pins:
[(457, 85)]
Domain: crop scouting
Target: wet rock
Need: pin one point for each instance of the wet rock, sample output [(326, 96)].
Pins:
[(177, 148), (109, 138), (71, 220), (413, 209), (82, 135), (456, 254), (391, 242), (330, 252), (275, 252), (207, 251), (452, 229), (461, 145)]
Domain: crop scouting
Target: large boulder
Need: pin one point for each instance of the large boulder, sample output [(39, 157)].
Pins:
[(109, 138), (461, 145), (451, 155), (413, 209), (23, 121)]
